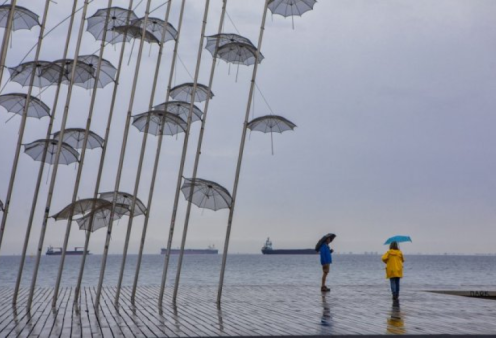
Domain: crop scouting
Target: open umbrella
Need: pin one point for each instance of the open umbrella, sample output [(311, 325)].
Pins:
[(398, 239), (125, 199), (118, 17), (101, 217), (36, 149), (45, 73), (23, 18), (85, 206), (15, 103), (270, 124), (172, 123), (75, 138), (82, 74), (291, 8), (224, 39), (206, 194), (323, 239), (183, 92), (239, 53), (107, 71), (181, 109), (155, 26)]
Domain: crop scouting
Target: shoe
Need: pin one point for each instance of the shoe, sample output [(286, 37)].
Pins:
[(325, 289)]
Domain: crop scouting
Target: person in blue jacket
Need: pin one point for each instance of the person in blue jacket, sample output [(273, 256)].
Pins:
[(325, 258)]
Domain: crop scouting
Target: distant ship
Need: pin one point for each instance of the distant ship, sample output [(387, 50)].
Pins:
[(210, 250), (267, 250), (51, 251)]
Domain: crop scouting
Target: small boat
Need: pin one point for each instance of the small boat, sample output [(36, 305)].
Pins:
[(210, 250), (51, 251), (268, 250)]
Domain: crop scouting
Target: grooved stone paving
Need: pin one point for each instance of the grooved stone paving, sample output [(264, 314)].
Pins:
[(245, 311)]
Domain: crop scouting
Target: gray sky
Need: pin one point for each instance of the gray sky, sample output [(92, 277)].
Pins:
[(394, 103)]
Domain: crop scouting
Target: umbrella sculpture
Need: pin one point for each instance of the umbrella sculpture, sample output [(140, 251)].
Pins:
[(101, 217), (219, 40), (180, 108), (183, 92), (82, 208), (136, 32), (125, 199), (46, 74), (239, 53), (23, 18), (107, 71), (35, 149), (206, 194), (75, 138), (171, 124), (291, 7), (270, 124), (398, 239), (118, 17), (82, 74), (15, 103), (155, 26)]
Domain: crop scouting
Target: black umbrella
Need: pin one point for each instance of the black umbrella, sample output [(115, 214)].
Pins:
[(323, 239)]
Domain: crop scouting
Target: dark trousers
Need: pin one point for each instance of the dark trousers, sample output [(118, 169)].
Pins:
[(395, 285)]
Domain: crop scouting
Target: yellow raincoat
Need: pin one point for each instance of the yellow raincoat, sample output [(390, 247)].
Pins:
[(394, 263)]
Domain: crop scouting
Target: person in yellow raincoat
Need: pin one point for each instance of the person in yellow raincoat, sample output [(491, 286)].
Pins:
[(394, 268)]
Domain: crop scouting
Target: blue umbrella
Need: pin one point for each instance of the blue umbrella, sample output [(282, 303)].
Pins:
[(398, 239)]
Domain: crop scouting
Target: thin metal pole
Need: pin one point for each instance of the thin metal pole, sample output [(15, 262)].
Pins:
[(121, 159), (142, 153), (240, 156), (22, 126), (82, 156), (157, 154), (102, 158), (6, 37), (57, 156), (198, 152), (42, 163)]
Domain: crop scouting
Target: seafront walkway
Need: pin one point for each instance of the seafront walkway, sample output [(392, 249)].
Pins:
[(247, 311)]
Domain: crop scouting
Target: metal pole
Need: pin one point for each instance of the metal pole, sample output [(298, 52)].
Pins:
[(240, 156), (181, 166), (157, 156), (42, 164), (102, 158), (57, 156), (6, 37), (142, 153), (121, 159), (198, 152), (22, 126), (82, 156)]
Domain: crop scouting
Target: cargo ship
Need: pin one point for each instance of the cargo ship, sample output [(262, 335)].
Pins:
[(268, 250), (51, 251), (210, 250)]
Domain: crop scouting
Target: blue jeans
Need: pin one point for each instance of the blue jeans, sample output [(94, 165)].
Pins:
[(395, 285)]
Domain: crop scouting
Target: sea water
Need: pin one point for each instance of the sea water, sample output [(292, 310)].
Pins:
[(420, 271)]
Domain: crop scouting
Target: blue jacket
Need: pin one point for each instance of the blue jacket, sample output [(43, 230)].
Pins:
[(325, 254)]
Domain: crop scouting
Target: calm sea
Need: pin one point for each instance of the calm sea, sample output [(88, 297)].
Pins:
[(420, 271)]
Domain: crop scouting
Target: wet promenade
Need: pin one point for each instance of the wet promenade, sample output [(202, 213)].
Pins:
[(248, 311)]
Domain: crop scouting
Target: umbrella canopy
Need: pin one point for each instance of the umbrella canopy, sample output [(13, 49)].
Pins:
[(270, 124), (107, 71), (224, 39), (87, 206), (101, 218), (118, 17), (173, 124), (239, 53), (46, 74), (15, 103), (23, 18), (136, 32), (75, 138), (323, 239), (82, 74), (125, 199), (291, 7), (183, 92), (156, 26), (36, 149), (206, 194), (398, 239), (181, 109)]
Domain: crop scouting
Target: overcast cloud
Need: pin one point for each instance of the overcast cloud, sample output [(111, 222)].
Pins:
[(394, 103)]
